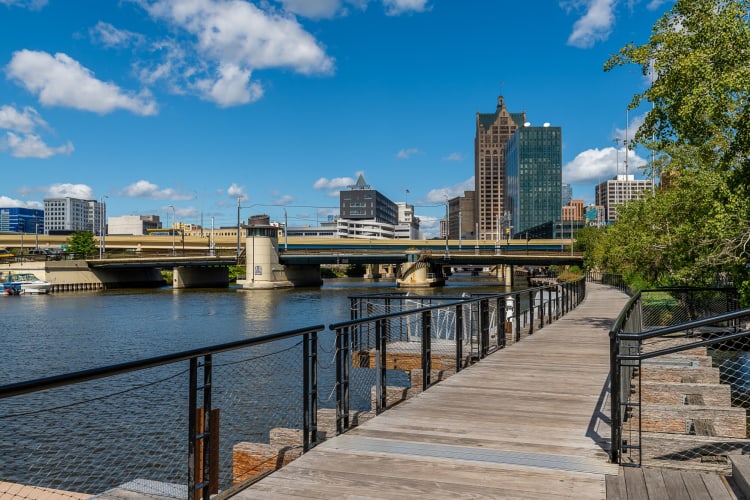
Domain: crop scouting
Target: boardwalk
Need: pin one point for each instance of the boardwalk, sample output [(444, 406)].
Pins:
[(529, 421)]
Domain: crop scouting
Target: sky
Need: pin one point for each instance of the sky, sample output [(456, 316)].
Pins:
[(183, 108)]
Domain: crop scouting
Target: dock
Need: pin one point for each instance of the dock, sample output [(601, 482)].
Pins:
[(529, 421)]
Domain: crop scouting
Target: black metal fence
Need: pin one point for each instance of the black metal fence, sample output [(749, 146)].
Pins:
[(680, 379), (206, 422)]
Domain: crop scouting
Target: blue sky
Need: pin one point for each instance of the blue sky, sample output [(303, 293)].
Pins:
[(196, 103)]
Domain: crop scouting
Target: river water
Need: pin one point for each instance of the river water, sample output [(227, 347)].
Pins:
[(99, 434), (64, 332)]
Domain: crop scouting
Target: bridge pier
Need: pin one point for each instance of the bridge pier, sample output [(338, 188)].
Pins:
[(200, 277), (416, 273), (505, 273), (264, 269), (372, 271)]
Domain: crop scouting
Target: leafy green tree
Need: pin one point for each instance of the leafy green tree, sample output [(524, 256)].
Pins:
[(697, 229), (82, 245)]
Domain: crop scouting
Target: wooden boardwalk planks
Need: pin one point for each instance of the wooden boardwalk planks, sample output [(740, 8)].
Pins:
[(529, 421)]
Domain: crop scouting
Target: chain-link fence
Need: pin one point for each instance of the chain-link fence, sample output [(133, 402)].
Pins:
[(680, 361), (203, 423)]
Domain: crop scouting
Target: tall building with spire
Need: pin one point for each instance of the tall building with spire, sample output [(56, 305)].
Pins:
[(493, 131)]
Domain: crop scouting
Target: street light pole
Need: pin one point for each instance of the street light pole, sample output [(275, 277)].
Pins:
[(173, 224), (102, 227), (447, 228)]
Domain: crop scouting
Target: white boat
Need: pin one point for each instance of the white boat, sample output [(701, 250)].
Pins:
[(28, 283)]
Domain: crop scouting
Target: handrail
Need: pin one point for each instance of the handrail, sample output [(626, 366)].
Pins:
[(684, 326), (45, 383)]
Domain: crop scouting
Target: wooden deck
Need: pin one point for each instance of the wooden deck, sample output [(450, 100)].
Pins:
[(529, 421)]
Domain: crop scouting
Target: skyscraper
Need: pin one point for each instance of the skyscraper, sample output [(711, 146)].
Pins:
[(493, 131), (534, 176)]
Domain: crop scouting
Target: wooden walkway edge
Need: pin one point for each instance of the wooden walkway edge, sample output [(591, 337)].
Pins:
[(529, 421)]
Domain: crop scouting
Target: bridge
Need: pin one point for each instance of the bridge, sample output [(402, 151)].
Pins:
[(274, 263)]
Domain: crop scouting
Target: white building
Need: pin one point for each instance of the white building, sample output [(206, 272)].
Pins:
[(364, 229), (408, 223), (132, 224), (73, 214), (618, 191)]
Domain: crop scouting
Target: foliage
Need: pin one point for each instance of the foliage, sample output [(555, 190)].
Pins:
[(236, 272), (355, 270), (333, 271), (82, 245), (696, 229)]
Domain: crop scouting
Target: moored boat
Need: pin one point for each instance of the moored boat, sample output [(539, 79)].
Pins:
[(26, 282)]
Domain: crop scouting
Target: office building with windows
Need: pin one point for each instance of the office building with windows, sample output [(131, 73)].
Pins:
[(22, 220), (67, 215), (493, 131), (534, 176), (461, 220), (618, 191)]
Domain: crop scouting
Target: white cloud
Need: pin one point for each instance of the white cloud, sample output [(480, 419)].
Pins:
[(320, 9), (405, 154), (634, 123), (227, 41), (597, 165), (109, 36), (26, 4), (336, 183), (396, 7), (20, 121), (146, 189), (454, 157), (32, 146), (62, 81), (656, 4), (438, 195), (595, 25), (13, 203), (80, 191), (283, 200), (236, 191)]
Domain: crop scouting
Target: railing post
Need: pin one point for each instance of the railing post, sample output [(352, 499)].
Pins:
[(517, 310), (192, 425), (549, 305), (426, 348), (381, 390), (484, 327), (310, 382), (531, 312), (459, 337), (342, 380), (500, 308), (614, 391)]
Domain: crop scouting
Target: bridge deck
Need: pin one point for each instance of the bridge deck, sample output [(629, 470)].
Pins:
[(529, 421)]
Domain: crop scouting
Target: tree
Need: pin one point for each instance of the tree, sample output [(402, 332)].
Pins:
[(699, 57), (695, 229), (81, 244)]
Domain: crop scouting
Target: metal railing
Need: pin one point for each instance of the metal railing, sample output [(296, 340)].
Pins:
[(611, 279), (680, 379), (206, 422)]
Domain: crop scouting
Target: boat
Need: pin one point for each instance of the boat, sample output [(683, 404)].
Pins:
[(10, 289), (27, 282)]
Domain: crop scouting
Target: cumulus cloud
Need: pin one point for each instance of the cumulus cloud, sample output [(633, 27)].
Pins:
[(454, 157), (405, 154), (225, 41), (397, 7), (32, 146), (60, 80), (20, 121), (236, 191), (320, 9), (438, 195), (26, 4), (595, 25), (335, 183), (283, 200), (634, 123), (20, 137), (80, 191), (107, 35), (597, 165), (146, 189), (5, 201)]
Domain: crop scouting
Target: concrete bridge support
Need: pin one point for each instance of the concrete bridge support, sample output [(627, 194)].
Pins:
[(505, 273), (372, 271), (198, 277), (264, 269), (420, 274)]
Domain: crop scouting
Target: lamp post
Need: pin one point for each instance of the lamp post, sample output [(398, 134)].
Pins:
[(447, 227), (102, 227), (173, 224)]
